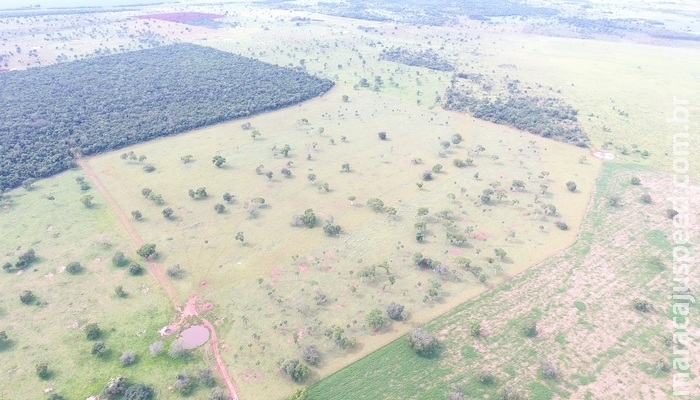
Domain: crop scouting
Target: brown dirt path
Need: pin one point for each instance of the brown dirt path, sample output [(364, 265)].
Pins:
[(157, 273)]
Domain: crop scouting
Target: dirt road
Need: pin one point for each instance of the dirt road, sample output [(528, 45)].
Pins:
[(157, 273)]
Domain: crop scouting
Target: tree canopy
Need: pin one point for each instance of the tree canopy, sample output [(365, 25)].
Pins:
[(110, 102)]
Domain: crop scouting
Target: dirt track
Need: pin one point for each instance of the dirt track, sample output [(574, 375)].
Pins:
[(157, 273)]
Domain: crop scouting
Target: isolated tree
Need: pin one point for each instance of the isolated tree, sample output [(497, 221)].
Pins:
[(375, 319), (311, 177), (201, 192), (119, 291), (138, 392), (74, 268), (149, 168), (174, 271), (500, 253), (614, 200), (218, 161), (517, 185), (118, 259), (147, 250), (98, 349), (345, 98), (547, 370), (345, 167), (562, 225), (136, 214), (268, 174), (87, 200), (146, 192), (422, 342), (295, 370), (220, 208), (158, 199), (382, 135), (309, 218), (245, 126), (571, 185), (167, 212), (42, 370), (135, 269), (228, 197), (641, 305), (437, 168), (286, 172), (156, 347), (395, 311), (375, 204), (92, 331), (331, 229), (456, 138), (27, 297), (285, 150), (239, 236)]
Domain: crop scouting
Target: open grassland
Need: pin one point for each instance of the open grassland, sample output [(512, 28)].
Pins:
[(51, 329), (582, 302), (284, 287)]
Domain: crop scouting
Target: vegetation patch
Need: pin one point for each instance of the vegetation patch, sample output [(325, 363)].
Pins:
[(426, 58), (160, 92)]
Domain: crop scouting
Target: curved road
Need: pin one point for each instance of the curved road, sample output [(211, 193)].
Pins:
[(156, 272)]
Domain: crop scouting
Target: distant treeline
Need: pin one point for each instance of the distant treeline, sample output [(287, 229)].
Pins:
[(545, 116), (110, 102), (427, 58)]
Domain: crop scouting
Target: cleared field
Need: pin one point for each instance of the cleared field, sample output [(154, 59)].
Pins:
[(586, 326), (52, 328), (283, 269)]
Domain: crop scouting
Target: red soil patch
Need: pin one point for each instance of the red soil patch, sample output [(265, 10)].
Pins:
[(206, 307), (182, 17), (275, 272), (303, 268), (456, 251), (480, 235)]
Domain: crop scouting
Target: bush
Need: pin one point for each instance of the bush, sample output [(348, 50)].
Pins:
[(174, 271), (427, 175), (475, 328), (115, 387), (218, 394), (119, 259), (310, 355), (127, 358), (332, 229), (156, 347), (375, 319), (205, 377), (547, 370), (138, 392), (27, 297), (642, 305), (645, 198), (530, 329), (177, 349), (571, 185), (382, 135), (375, 204), (42, 370), (561, 225), (135, 269), (74, 268), (56, 396), (98, 349), (183, 383), (295, 370), (395, 311), (92, 331), (423, 343), (486, 377), (635, 181), (671, 213)]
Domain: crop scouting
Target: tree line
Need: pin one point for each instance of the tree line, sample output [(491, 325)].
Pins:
[(95, 105)]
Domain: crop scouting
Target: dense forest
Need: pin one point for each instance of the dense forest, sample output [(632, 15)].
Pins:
[(545, 116), (427, 58), (106, 103)]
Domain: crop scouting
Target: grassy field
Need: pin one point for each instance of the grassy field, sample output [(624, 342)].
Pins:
[(266, 291), (587, 327), (52, 329)]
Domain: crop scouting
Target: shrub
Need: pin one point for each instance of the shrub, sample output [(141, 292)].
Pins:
[(382, 135), (375, 319), (27, 297), (98, 349), (645, 198), (127, 358), (295, 370), (92, 331), (642, 305), (485, 377), (310, 355), (135, 269), (149, 168), (635, 181), (427, 175), (561, 225), (309, 218), (547, 370), (138, 392), (423, 343), (56, 396), (395, 311), (42, 370), (571, 185), (530, 329), (183, 383), (375, 204), (219, 208), (156, 347), (177, 349), (218, 394), (510, 393), (74, 268), (115, 387), (437, 168), (671, 213), (332, 229), (174, 271), (299, 394), (475, 328), (118, 259), (614, 201), (205, 377)]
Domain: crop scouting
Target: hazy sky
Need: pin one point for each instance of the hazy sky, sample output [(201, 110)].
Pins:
[(4, 4)]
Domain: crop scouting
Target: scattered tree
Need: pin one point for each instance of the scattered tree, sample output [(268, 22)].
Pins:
[(671, 213), (27, 297), (395, 311), (147, 250), (156, 347), (422, 342), (135, 269), (98, 349), (74, 268), (645, 198), (530, 329), (118, 259), (382, 135), (475, 328), (42, 370), (167, 213), (119, 291), (186, 158), (115, 387), (375, 204), (310, 355), (547, 370), (375, 319), (571, 185), (92, 331), (136, 214), (218, 161), (219, 208), (138, 392), (87, 200)]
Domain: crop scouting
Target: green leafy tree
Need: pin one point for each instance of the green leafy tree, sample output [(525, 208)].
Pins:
[(147, 250), (500, 253), (146, 192), (42, 370), (219, 208), (27, 297), (186, 158), (74, 268), (87, 200), (98, 349), (118, 259), (375, 204), (218, 161), (571, 186), (295, 370), (139, 392), (119, 291), (92, 331), (167, 212), (135, 269), (136, 214), (422, 342), (375, 319), (285, 150)]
